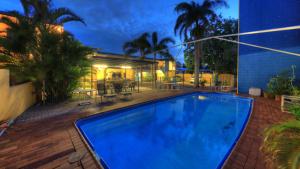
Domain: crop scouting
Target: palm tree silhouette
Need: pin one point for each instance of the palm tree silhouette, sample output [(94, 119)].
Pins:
[(139, 45), (42, 11), (191, 23), (160, 47)]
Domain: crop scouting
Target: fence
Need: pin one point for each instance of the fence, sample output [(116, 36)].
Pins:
[(288, 103), (14, 100)]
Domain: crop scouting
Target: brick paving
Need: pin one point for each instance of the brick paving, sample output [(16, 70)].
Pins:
[(48, 143), (247, 154)]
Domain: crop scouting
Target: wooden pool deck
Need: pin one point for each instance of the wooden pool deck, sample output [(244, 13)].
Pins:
[(48, 143)]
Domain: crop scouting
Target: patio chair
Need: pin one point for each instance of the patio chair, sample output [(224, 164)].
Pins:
[(102, 93), (132, 85), (126, 91)]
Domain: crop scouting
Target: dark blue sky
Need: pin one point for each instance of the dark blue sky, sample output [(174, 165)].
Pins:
[(110, 23)]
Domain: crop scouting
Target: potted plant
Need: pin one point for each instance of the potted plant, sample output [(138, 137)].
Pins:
[(281, 84), (267, 94)]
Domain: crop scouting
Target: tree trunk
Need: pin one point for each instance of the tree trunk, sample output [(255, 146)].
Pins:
[(197, 64)]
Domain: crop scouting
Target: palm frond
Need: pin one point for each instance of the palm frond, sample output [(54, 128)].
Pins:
[(282, 144), (183, 7), (64, 15)]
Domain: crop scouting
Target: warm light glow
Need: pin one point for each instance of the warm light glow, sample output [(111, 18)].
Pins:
[(160, 73), (100, 66), (126, 67), (201, 97)]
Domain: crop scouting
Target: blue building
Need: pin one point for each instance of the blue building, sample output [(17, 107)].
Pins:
[(257, 66)]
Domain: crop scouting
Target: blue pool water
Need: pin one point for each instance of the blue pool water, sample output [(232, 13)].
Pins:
[(193, 131)]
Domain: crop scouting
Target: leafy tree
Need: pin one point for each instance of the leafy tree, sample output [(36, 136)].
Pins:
[(221, 56), (189, 58), (192, 22), (139, 45)]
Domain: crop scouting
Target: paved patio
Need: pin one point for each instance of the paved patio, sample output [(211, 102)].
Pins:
[(48, 143)]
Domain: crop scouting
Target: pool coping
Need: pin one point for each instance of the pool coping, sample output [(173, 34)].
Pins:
[(101, 163), (241, 134)]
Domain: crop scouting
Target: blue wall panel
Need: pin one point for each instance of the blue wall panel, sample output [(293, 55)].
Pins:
[(257, 66)]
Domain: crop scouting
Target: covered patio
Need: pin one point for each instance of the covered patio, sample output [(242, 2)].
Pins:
[(107, 68)]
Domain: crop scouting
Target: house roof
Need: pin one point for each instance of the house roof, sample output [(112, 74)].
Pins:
[(149, 57), (112, 59)]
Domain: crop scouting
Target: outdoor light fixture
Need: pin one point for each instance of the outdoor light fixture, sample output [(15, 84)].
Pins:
[(100, 66), (126, 67)]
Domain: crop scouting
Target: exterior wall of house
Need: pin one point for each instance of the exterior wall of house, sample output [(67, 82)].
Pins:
[(257, 66), (14, 100)]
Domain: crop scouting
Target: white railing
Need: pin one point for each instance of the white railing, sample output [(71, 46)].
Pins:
[(288, 101)]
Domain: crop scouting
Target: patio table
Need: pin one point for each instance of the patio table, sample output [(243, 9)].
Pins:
[(83, 93), (169, 85), (110, 97)]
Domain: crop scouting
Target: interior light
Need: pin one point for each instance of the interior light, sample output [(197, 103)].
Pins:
[(100, 66), (126, 67)]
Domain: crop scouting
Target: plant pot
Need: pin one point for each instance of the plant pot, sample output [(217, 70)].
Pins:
[(266, 95), (278, 98)]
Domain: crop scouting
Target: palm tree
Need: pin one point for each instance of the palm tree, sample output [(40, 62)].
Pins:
[(192, 21), (19, 37), (160, 48), (30, 36), (281, 145), (139, 45), (41, 11)]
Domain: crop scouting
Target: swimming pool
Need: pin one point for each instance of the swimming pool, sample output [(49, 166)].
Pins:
[(193, 131)]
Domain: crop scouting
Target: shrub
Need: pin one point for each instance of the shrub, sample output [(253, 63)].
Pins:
[(296, 91), (295, 110), (281, 84)]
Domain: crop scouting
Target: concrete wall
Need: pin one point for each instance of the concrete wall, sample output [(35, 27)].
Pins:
[(14, 100), (257, 66)]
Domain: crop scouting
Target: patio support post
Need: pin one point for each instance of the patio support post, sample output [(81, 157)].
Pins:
[(183, 78), (138, 81), (125, 73), (104, 80), (141, 75)]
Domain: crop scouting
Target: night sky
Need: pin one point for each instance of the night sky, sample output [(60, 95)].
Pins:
[(110, 23)]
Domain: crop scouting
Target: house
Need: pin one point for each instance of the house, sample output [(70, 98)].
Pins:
[(257, 66), (111, 66)]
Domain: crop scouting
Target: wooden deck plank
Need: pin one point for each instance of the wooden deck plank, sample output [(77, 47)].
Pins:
[(48, 143)]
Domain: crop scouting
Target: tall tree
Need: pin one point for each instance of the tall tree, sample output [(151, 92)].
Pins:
[(139, 45), (160, 48), (19, 36), (191, 23), (221, 56)]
